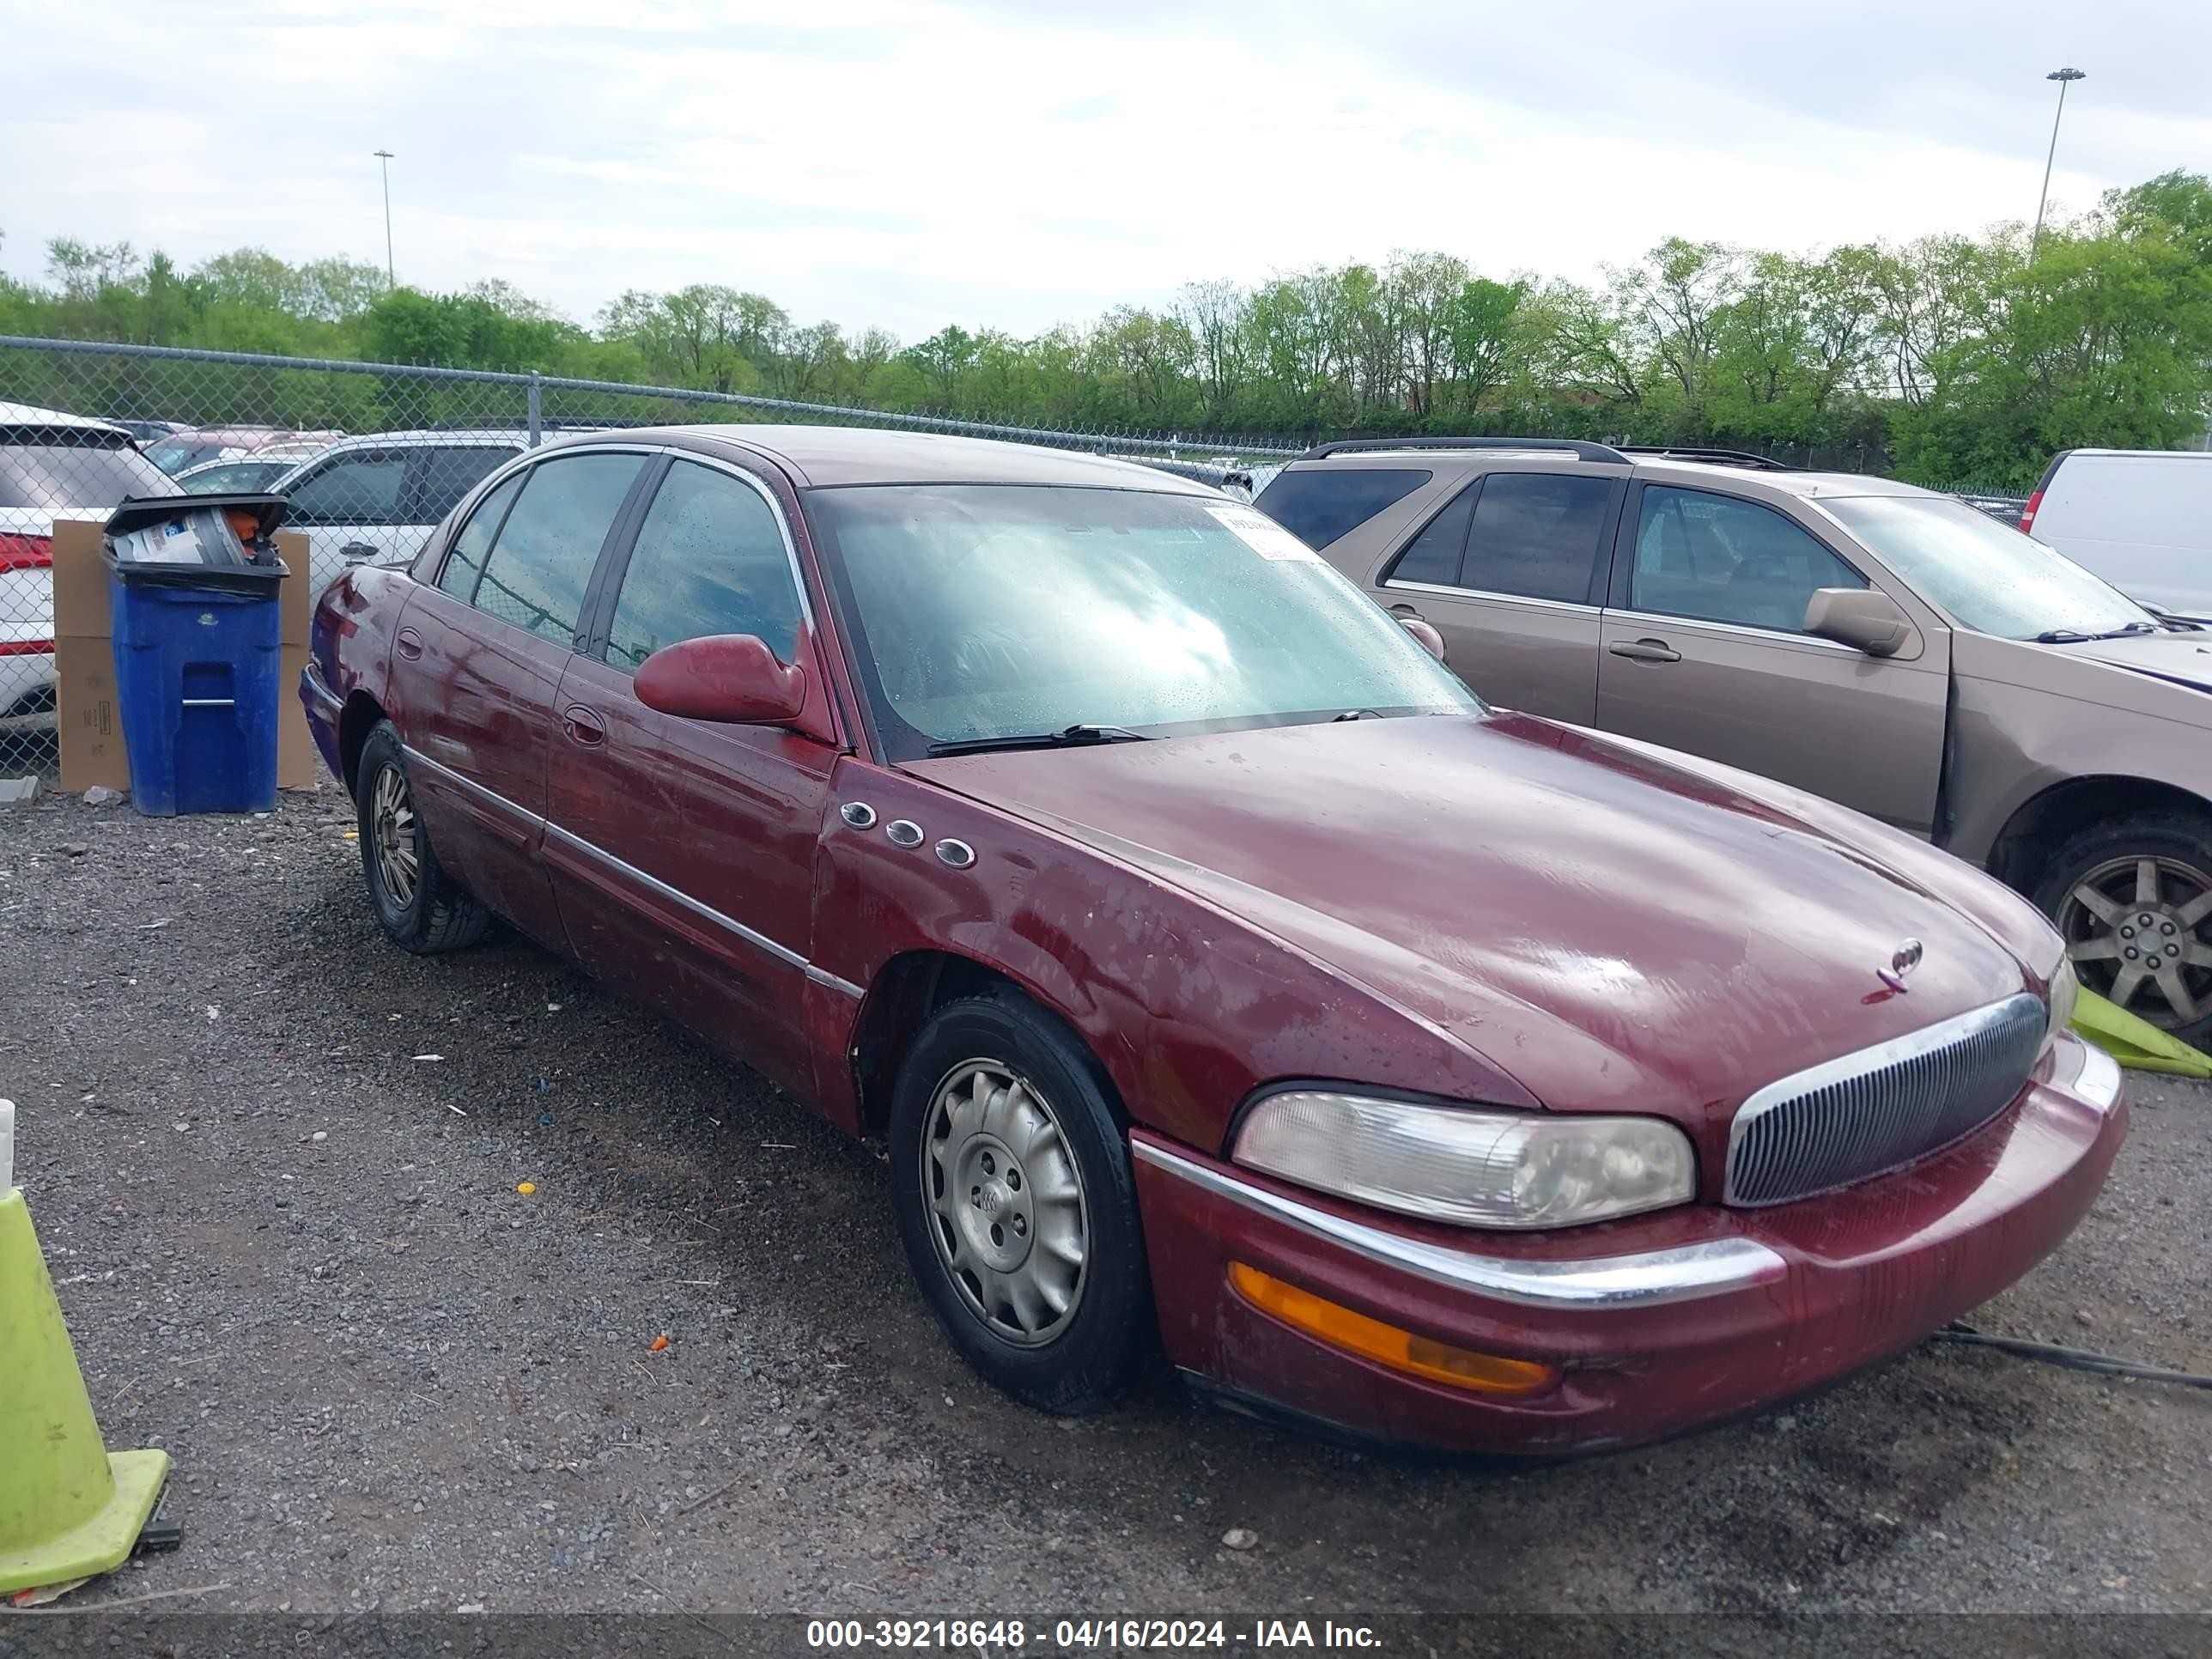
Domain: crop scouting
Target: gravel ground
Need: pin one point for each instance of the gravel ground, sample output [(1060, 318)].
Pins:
[(274, 1165)]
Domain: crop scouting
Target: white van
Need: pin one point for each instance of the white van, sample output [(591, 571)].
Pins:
[(2142, 518)]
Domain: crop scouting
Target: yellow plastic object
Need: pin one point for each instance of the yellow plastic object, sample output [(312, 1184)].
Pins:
[(1386, 1345), (2136, 1042), (69, 1507)]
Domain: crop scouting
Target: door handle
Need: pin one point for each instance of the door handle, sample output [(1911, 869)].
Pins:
[(1403, 610), (409, 644), (583, 726), (357, 551), (1645, 651)]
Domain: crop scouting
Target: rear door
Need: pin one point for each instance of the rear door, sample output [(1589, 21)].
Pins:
[(683, 851), (1704, 650), (352, 506), (1509, 572), (479, 658)]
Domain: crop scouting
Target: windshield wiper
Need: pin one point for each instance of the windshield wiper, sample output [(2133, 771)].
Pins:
[(1080, 735), (2075, 636)]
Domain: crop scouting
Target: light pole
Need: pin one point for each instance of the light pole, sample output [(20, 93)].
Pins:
[(384, 163), (2063, 76)]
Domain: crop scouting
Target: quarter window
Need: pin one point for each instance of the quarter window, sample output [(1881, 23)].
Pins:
[(1319, 505), (1434, 555), (542, 561), (1718, 558), (709, 559), (465, 562), (1535, 534), (361, 489)]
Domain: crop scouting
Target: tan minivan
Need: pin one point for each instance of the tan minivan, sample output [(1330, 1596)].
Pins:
[(1887, 647)]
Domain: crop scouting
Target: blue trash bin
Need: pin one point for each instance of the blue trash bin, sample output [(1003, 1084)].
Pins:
[(197, 652)]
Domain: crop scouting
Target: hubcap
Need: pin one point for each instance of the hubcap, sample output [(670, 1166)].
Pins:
[(2140, 931), (391, 824), (1005, 1201)]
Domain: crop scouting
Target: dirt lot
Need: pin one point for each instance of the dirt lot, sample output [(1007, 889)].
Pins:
[(274, 1164)]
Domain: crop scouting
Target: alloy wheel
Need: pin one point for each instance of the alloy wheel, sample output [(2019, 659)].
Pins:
[(392, 822), (1005, 1201), (2139, 930)]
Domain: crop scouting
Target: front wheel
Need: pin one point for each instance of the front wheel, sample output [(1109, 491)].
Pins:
[(421, 908), (1016, 1205), (2133, 900)]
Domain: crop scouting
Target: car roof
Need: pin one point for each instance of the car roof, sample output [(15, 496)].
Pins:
[(827, 456), (1650, 468), (509, 437), (32, 414)]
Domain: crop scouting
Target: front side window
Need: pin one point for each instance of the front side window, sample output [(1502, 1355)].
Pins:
[(1328, 501), (360, 489), (1707, 558), (980, 611), (541, 562), (1536, 534), (709, 559), (446, 473), (1984, 575), (465, 562)]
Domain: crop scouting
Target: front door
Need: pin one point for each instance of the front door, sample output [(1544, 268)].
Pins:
[(350, 504), (1705, 650), (478, 660), (682, 850), (1507, 573)]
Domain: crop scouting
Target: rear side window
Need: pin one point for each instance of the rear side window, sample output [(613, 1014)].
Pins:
[(1320, 505), (465, 562), (541, 562), (445, 474), (1435, 553), (1535, 534)]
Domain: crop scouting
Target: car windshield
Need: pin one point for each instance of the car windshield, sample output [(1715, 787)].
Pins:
[(1984, 575), (992, 610), (71, 468)]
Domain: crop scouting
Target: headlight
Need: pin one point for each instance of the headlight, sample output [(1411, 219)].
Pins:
[(1462, 1164), (2065, 991)]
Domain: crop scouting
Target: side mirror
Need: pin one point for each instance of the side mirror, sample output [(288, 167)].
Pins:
[(731, 679), (1427, 637), (1865, 618)]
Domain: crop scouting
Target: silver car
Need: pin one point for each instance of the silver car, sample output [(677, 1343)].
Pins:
[(1887, 647)]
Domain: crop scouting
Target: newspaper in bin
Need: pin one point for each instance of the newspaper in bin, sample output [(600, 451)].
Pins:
[(197, 535)]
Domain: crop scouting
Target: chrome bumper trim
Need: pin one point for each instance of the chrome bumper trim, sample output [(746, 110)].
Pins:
[(1680, 1274), (322, 693), (2098, 1082)]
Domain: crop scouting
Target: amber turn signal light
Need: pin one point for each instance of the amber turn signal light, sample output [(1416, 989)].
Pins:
[(1386, 1345)]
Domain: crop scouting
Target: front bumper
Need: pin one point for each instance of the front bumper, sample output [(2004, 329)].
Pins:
[(1661, 1323)]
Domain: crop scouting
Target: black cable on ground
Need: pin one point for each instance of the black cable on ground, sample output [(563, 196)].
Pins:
[(2079, 1359)]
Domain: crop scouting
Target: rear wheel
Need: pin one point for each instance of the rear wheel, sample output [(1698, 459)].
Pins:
[(422, 908), (2133, 900), (1016, 1205)]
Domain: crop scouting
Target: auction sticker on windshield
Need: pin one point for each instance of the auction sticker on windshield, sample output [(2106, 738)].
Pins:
[(1261, 533)]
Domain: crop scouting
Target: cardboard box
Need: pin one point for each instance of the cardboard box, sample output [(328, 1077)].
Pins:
[(90, 730)]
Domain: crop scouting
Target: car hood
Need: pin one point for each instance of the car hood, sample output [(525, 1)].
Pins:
[(2183, 658), (1611, 930)]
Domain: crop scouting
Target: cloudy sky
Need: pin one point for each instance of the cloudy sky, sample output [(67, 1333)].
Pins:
[(1017, 163)]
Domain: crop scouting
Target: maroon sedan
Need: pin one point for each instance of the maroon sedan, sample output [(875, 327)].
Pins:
[(1220, 972)]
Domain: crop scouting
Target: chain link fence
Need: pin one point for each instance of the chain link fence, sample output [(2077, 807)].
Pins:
[(372, 455)]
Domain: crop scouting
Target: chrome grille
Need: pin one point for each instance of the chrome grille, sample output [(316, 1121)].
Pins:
[(1871, 1111)]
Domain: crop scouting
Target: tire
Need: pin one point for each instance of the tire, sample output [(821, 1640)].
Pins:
[(2141, 885), (434, 915), (956, 1122)]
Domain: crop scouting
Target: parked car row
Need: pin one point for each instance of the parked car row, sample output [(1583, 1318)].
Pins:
[(1222, 974), (1890, 648)]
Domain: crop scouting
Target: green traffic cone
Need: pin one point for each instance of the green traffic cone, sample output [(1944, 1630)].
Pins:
[(2136, 1042), (69, 1507)]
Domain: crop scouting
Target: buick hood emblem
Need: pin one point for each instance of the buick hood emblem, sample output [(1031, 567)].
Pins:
[(1902, 961)]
